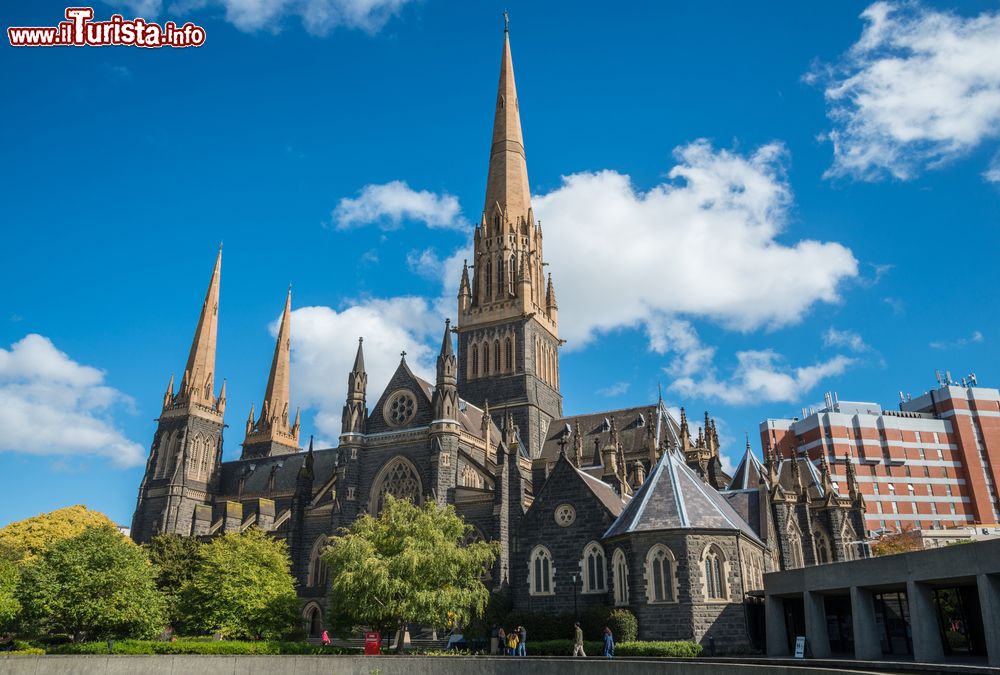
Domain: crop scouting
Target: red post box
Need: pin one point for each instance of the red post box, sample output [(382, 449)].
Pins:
[(373, 644)]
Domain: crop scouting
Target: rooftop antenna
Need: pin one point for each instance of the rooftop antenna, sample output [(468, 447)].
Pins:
[(972, 379)]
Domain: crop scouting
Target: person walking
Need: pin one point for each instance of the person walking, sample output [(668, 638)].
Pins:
[(578, 640), (609, 643), (326, 639), (502, 641), (523, 640)]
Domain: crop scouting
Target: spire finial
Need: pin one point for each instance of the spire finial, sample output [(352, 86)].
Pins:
[(506, 21)]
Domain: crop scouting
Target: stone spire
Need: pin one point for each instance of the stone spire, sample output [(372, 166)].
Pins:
[(853, 489), (464, 289), (507, 180), (445, 400), (355, 415), (198, 383), (577, 445), (551, 306), (272, 433)]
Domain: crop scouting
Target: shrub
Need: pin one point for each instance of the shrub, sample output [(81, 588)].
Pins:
[(27, 651), (199, 646), (676, 649), (624, 626)]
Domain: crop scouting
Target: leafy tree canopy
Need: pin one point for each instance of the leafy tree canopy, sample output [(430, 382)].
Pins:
[(899, 542), (174, 559), (242, 587), (10, 607), (409, 565), (97, 584), (30, 537)]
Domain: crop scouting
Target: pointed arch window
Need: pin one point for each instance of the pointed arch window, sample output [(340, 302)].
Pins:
[(824, 553), (318, 572), (660, 565), (508, 353), (513, 273), (500, 275), (850, 540), (486, 358), (794, 545), (398, 478), (496, 356), (489, 280), (594, 569), (541, 572), (714, 566), (620, 566), (475, 361)]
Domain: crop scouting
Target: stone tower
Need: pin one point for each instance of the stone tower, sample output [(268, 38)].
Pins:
[(508, 339), (272, 434), (183, 466)]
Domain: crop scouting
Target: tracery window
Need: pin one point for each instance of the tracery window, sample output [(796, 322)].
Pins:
[(594, 570), (318, 572), (471, 477), (398, 479), (620, 567), (794, 545), (400, 408), (822, 542), (489, 280), (486, 358), (540, 572), (509, 355), (496, 356), (500, 277), (475, 360), (513, 273), (715, 578), (660, 563)]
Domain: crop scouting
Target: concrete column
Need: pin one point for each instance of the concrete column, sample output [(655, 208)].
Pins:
[(867, 646), (924, 631), (774, 619), (989, 600), (817, 635)]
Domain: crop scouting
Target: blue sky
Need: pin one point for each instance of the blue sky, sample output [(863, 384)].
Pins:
[(748, 206)]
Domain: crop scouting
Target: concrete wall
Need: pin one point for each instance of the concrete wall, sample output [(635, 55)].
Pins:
[(362, 665)]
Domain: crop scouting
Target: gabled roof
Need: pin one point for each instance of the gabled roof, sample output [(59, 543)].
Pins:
[(749, 473), (633, 425), (604, 493), (808, 475), (673, 497)]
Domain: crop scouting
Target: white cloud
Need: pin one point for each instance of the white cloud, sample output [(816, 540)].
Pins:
[(388, 205), (992, 174), (958, 343), (52, 405), (919, 88), (703, 245), (760, 377), (324, 342), (847, 339), (616, 389)]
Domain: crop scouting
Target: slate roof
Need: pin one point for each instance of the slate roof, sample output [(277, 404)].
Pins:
[(632, 424), (604, 493), (256, 472), (749, 473), (747, 504), (808, 474), (674, 497)]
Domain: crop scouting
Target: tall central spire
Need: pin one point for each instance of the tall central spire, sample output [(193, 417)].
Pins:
[(272, 433), (507, 179)]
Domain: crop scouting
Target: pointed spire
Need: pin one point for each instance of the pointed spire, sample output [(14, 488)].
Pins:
[(168, 396), (446, 340), (359, 358), (355, 416), (824, 473), (198, 385), (578, 444), (550, 294), (464, 290), (852, 479), (507, 180)]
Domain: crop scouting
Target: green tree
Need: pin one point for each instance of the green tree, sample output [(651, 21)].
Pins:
[(409, 565), (10, 576), (97, 584), (174, 560), (30, 537), (242, 587)]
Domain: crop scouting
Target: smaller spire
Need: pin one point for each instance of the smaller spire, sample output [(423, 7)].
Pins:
[(578, 444), (852, 479), (506, 21), (446, 340), (359, 358)]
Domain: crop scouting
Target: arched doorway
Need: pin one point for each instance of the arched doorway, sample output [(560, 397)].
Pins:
[(314, 620)]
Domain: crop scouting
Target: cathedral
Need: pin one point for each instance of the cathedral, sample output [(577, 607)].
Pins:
[(622, 508)]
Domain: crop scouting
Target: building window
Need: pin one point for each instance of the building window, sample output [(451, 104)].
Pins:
[(496, 356), (500, 276), (620, 567), (398, 478), (486, 358), (714, 565), (317, 566), (513, 272), (475, 360), (509, 355), (400, 408), (489, 280), (565, 515), (540, 572), (822, 543), (594, 572), (660, 574), (794, 545)]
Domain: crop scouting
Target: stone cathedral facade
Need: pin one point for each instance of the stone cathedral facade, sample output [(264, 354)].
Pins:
[(624, 508)]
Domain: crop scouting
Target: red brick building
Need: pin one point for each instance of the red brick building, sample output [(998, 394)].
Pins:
[(934, 463)]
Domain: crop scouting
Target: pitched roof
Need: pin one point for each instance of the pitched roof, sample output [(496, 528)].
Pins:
[(633, 425), (749, 473), (604, 492), (808, 475), (673, 497)]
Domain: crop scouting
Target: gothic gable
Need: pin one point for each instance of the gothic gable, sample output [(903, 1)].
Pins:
[(405, 403)]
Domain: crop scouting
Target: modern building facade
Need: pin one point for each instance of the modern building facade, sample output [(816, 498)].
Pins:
[(628, 508), (934, 463)]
